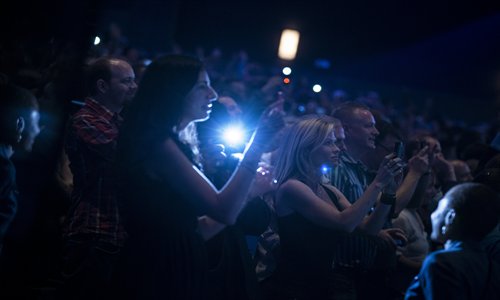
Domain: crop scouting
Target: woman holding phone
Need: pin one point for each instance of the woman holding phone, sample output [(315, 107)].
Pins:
[(164, 189), (311, 214)]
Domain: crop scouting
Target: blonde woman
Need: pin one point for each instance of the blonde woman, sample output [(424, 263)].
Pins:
[(311, 215)]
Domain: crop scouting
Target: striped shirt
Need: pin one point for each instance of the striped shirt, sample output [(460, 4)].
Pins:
[(351, 177)]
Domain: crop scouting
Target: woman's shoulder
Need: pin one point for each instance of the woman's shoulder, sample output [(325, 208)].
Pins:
[(293, 185)]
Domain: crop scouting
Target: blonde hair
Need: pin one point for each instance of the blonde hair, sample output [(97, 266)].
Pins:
[(303, 137)]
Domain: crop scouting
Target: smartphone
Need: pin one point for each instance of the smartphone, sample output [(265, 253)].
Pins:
[(399, 149)]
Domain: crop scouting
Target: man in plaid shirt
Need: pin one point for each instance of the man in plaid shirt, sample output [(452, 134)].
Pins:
[(94, 232)]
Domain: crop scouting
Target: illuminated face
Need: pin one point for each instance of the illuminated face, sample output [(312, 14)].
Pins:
[(438, 218), (31, 130), (198, 102), (326, 154), (122, 86), (360, 130)]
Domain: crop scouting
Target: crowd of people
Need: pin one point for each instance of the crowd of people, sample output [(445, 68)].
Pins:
[(346, 198)]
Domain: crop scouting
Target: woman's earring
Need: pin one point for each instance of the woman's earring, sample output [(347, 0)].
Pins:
[(19, 138)]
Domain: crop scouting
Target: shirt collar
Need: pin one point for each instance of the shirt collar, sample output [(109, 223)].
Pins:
[(458, 244), (347, 159), (102, 110)]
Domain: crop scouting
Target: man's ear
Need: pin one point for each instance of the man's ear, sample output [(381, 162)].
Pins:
[(20, 124), (102, 86), (450, 217)]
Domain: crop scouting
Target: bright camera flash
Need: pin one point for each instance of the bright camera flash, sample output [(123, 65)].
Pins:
[(234, 136), (287, 71), (97, 40)]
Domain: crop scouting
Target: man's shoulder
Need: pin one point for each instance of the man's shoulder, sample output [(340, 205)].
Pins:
[(456, 258), (88, 115)]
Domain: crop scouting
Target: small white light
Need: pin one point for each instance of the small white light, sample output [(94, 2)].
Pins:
[(97, 40), (317, 88), (324, 169), (287, 71)]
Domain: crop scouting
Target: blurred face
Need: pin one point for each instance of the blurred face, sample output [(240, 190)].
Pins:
[(434, 147), (199, 99), (326, 154), (122, 86), (431, 190), (31, 130), (462, 171), (439, 220), (360, 130), (340, 136)]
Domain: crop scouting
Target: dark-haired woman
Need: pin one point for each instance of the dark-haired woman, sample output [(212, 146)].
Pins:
[(164, 189)]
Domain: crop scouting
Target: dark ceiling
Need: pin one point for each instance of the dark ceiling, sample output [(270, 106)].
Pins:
[(436, 45)]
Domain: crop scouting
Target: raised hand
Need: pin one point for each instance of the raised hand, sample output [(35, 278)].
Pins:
[(390, 168), (419, 163), (271, 121), (264, 181)]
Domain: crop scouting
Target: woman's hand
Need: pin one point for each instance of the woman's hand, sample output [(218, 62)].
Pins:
[(419, 163), (263, 182), (271, 121)]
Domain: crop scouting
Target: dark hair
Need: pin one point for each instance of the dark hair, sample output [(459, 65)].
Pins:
[(99, 69), (494, 162), (477, 209), (14, 102), (489, 177), (346, 110), (480, 151), (159, 102), (386, 129)]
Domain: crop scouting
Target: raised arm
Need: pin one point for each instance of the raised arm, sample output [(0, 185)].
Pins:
[(418, 165), (223, 205), (390, 167)]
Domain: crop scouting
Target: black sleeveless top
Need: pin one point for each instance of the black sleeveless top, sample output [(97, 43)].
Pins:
[(165, 255), (306, 254)]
